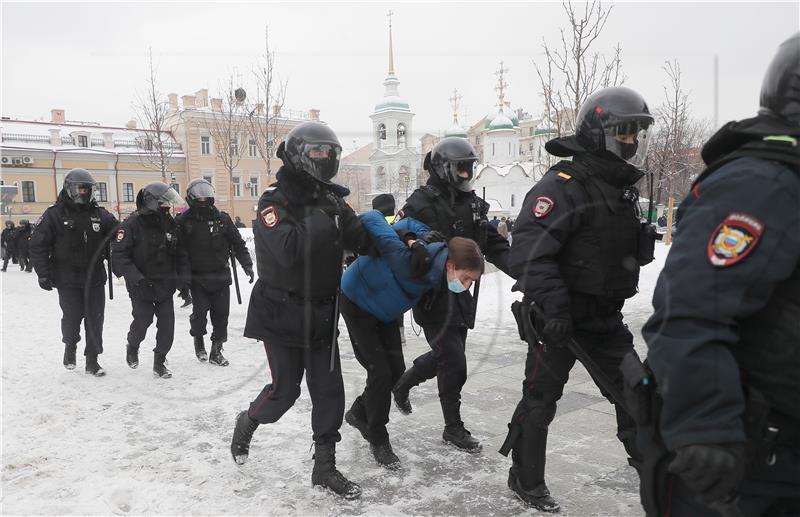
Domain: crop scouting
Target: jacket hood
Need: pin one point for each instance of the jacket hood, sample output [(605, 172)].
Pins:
[(735, 134)]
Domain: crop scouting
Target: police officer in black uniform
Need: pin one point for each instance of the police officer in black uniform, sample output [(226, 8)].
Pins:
[(66, 238), (577, 248), (210, 237), (303, 227), (724, 341), (22, 238), (148, 252), (448, 204), (9, 245)]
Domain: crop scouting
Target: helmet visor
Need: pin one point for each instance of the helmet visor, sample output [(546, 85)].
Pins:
[(629, 140), (81, 193), (170, 198), (321, 160), (200, 190), (461, 174)]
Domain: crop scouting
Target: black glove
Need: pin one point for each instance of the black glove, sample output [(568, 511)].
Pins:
[(434, 236), (146, 289), (420, 260), (556, 331), (248, 270), (712, 471), (46, 284), (329, 203), (185, 294)]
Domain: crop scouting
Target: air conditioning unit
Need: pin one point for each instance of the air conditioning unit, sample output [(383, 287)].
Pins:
[(5, 160), (27, 160), (16, 161)]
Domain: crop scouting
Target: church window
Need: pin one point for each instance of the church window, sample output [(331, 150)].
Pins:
[(492, 148), (401, 135), (512, 199), (381, 131)]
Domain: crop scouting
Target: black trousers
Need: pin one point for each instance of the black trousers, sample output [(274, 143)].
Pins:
[(218, 303), (72, 313), (287, 365), (143, 312), (378, 349), (447, 361)]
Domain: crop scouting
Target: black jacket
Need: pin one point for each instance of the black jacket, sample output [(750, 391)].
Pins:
[(299, 258), (208, 241), (65, 240), (22, 237), (7, 239), (455, 214), (148, 248)]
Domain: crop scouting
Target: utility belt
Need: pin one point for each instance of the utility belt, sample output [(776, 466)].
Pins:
[(294, 298)]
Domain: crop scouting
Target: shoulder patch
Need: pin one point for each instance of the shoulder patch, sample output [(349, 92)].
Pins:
[(120, 234), (543, 206), (734, 239), (564, 175), (269, 216)]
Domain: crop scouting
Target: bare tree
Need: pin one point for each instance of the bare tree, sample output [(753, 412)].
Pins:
[(152, 111), (227, 124), (573, 71), (265, 123)]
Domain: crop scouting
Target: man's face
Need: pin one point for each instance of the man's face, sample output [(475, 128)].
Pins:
[(626, 139)]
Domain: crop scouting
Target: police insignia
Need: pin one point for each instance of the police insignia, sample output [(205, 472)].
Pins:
[(269, 216), (543, 206), (120, 235), (96, 227), (734, 239)]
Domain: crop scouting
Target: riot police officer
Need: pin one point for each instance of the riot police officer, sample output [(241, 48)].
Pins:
[(448, 204), (9, 245), (210, 237), (724, 340), (302, 229), (577, 247), (148, 252), (22, 238), (66, 238)]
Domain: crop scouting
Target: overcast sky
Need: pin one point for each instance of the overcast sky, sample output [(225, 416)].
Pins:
[(90, 58)]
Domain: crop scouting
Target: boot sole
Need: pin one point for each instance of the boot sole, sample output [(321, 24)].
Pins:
[(99, 373), (165, 376), (133, 366), (69, 366), (201, 358), (399, 407), (476, 450), (541, 508), (226, 363), (330, 491)]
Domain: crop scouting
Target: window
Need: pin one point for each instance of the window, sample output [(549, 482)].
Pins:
[(29, 191), (127, 192), (209, 179), (254, 186), (401, 135), (237, 187), (530, 147), (509, 148), (83, 141), (253, 148), (205, 145), (176, 186), (530, 131), (235, 146), (492, 148), (148, 144), (102, 192), (512, 199)]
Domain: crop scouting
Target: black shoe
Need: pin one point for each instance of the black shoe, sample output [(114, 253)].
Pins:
[(357, 421), (401, 389), (3, 270), (69, 356), (538, 497), (242, 435), (216, 357), (132, 356), (458, 436), (326, 475), (159, 369), (384, 455), (93, 367), (200, 348)]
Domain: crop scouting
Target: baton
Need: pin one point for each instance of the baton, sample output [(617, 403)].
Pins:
[(235, 278)]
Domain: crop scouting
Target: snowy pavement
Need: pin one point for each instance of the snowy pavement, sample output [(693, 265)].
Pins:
[(131, 444)]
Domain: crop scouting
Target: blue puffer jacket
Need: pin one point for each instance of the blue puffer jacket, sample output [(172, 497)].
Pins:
[(382, 285)]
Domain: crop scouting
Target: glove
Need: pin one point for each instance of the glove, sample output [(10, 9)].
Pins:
[(248, 270), (711, 470), (329, 203), (556, 331), (420, 260), (146, 289), (185, 295), (46, 284), (434, 236)]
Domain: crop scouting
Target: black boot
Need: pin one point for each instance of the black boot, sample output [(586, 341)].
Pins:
[(200, 348), (384, 455), (93, 367), (132, 355), (408, 380), (355, 417), (526, 475), (69, 356), (326, 475), (454, 431), (242, 435), (159, 369), (216, 357)]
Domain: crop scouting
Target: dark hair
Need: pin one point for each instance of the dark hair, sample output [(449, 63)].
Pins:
[(465, 254)]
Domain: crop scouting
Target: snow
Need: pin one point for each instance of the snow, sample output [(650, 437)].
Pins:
[(131, 444)]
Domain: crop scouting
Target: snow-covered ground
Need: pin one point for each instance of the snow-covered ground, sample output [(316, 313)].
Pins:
[(131, 444)]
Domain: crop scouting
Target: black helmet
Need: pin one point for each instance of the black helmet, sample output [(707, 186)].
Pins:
[(80, 186), (384, 203), (780, 91), (155, 195), (450, 156), (9, 224), (199, 189), (313, 148), (24, 222)]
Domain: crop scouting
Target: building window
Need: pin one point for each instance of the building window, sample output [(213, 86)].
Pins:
[(235, 146), (530, 147), (512, 199), (205, 145), (102, 192), (28, 192), (254, 186), (237, 187), (530, 131), (401, 135), (148, 144), (83, 141), (127, 192), (492, 148), (253, 148), (509, 148), (176, 186), (209, 179)]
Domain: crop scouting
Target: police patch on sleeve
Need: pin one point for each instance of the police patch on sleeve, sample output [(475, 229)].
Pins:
[(269, 216), (734, 239), (543, 206), (120, 235)]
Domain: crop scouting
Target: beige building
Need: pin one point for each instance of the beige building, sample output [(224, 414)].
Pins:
[(355, 173), (35, 156)]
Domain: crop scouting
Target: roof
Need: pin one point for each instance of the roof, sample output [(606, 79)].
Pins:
[(456, 130), (358, 157), (527, 168)]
